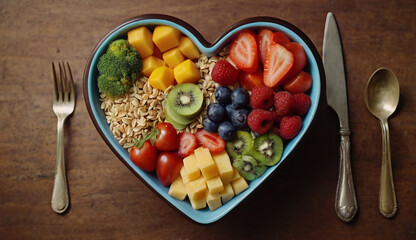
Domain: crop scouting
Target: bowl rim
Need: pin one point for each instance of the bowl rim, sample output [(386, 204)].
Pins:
[(245, 22)]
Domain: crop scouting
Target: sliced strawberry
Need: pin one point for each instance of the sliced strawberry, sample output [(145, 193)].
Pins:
[(187, 144), (279, 60), (250, 80), (300, 58), (264, 40), (209, 140), (280, 38), (243, 51)]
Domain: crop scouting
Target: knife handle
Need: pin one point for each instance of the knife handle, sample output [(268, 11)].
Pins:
[(345, 201)]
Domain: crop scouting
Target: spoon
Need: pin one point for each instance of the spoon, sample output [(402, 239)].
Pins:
[(382, 97)]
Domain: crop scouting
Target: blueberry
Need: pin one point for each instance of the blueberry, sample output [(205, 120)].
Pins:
[(210, 125), (227, 131), (239, 118), (240, 98), (216, 112), (223, 95), (230, 108)]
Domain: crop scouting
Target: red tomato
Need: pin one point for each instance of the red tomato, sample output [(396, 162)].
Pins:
[(300, 83), (250, 80), (243, 51), (145, 157), (169, 165), (167, 139), (300, 58)]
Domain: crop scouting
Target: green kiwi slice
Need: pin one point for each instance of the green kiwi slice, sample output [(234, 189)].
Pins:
[(175, 117), (268, 149), (185, 99), (248, 167), (176, 125), (241, 145)]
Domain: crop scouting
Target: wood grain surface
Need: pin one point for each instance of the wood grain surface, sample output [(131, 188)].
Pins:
[(109, 202)]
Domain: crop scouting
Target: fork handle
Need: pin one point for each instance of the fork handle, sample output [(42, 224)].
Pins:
[(60, 196)]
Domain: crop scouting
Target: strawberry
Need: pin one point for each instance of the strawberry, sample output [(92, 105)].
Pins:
[(264, 40), (224, 73), (187, 144), (209, 140), (243, 51), (250, 80), (279, 61), (280, 38), (299, 58)]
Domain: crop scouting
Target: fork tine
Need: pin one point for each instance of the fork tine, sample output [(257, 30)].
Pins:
[(71, 84), (64, 81), (55, 84)]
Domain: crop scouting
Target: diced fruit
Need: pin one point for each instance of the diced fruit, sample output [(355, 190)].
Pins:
[(262, 97), (225, 169), (185, 99), (177, 189), (240, 97), (196, 189), (186, 72), (199, 203), (241, 145), (264, 40), (227, 194), (299, 58), (188, 48), (150, 63), (173, 57), (187, 145), (191, 166), (214, 201), (236, 175), (223, 95), (260, 121), (249, 80), (290, 126), (267, 149), (279, 61), (280, 38), (302, 104), (248, 167), (243, 51), (166, 37), (215, 185), (185, 175), (226, 130), (284, 103), (161, 78), (299, 83), (239, 185), (224, 73), (206, 163), (156, 52), (209, 140), (141, 39)]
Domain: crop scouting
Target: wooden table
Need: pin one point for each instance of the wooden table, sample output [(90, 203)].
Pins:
[(109, 202)]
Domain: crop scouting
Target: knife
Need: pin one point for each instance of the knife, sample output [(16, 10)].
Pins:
[(336, 92)]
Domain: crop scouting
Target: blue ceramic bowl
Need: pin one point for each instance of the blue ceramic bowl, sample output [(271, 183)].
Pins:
[(91, 95)]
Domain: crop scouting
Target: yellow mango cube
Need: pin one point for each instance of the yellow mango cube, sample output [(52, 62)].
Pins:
[(225, 169), (227, 194), (141, 39), (199, 203), (150, 63), (214, 201), (188, 48), (215, 185), (166, 37), (177, 189), (196, 189), (185, 175), (236, 175), (206, 163), (161, 78), (239, 185), (186, 72), (173, 57), (191, 166)]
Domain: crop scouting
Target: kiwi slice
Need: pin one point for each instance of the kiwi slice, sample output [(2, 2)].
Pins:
[(175, 117), (248, 167), (268, 149), (241, 145), (175, 124), (185, 99)]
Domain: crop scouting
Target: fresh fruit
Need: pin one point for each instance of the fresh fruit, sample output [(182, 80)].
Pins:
[(210, 125), (239, 118), (290, 126), (248, 167), (216, 112), (224, 73), (188, 48), (161, 78), (223, 95), (185, 99), (175, 124), (241, 145), (302, 104), (300, 83), (206, 163), (284, 103), (280, 38), (249, 80), (239, 185), (264, 40), (227, 194), (229, 109), (212, 141), (197, 189), (214, 201), (268, 149), (166, 37), (260, 121), (167, 139), (141, 39), (176, 118), (169, 165), (173, 57), (279, 61), (226, 130), (240, 97), (150, 63), (187, 144), (261, 97), (144, 156), (243, 51), (191, 167), (215, 185), (177, 189), (223, 163), (186, 72), (299, 58)]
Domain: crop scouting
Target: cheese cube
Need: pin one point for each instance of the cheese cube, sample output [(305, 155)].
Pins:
[(188, 48), (177, 189), (206, 163), (239, 185), (227, 194), (161, 78), (214, 201), (151, 63), (185, 175), (173, 57), (196, 189), (141, 39), (166, 37), (199, 203), (191, 166), (215, 185), (225, 169), (236, 175), (186, 72)]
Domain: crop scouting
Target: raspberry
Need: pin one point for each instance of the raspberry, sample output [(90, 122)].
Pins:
[(302, 104), (224, 73), (276, 118), (290, 126), (260, 121), (284, 103), (261, 97)]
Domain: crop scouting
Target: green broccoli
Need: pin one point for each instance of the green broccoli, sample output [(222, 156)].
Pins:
[(118, 68)]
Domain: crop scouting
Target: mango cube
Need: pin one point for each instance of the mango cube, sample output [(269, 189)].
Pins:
[(239, 185), (215, 185), (161, 78), (156, 52), (188, 48), (236, 175), (227, 194), (185, 175), (199, 203), (186, 72), (166, 37), (206, 163), (150, 63), (214, 201), (191, 166), (197, 189), (177, 189), (173, 57), (141, 39), (223, 162)]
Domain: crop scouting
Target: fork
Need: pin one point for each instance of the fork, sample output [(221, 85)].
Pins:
[(63, 106)]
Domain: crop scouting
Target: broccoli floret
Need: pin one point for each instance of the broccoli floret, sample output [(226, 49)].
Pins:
[(118, 68)]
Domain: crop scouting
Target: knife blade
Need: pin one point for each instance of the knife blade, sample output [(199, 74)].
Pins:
[(345, 200)]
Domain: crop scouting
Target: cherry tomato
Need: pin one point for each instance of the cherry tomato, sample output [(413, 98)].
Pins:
[(300, 83), (169, 165), (167, 139), (145, 157), (300, 58), (280, 38)]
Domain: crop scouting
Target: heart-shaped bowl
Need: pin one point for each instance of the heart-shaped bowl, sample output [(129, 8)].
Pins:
[(92, 97)]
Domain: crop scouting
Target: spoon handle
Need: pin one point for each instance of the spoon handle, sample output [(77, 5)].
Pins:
[(387, 200), (345, 200)]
